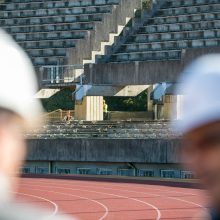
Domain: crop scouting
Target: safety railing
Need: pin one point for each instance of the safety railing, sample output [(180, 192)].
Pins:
[(57, 115), (59, 74)]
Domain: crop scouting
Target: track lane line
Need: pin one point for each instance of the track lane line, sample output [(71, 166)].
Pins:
[(156, 195), (110, 194), (125, 185), (80, 197), (41, 198), (153, 194)]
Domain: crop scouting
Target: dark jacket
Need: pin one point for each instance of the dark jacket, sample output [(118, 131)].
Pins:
[(215, 215)]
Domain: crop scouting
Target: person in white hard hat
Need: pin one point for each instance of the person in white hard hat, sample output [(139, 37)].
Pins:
[(18, 112), (200, 124)]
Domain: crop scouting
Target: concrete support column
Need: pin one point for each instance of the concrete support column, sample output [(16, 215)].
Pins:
[(50, 167), (172, 105), (168, 102), (179, 107), (150, 106), (89, 109), (155, 112)]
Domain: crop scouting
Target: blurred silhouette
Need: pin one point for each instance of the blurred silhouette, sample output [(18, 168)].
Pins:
[(105, 110), (18, 112), (200, 125)]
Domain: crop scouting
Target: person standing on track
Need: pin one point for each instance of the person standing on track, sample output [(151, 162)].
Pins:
[(18, 112), (105, 110), (200, 125)]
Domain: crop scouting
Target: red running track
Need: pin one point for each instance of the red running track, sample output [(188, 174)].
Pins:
[(94, 200)]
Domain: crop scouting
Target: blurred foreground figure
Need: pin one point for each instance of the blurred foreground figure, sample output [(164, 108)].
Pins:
[(200, 125), (18, 112)]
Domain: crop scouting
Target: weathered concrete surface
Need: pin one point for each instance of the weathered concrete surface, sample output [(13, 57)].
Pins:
[(89, 109), (116, 90), (135, 116), (104, 150), (141, 180), (46, 93), (142, 73)]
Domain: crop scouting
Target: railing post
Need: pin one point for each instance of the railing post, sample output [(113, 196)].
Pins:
[(51, 74), (57, 74), (61, 115), (41, 73)]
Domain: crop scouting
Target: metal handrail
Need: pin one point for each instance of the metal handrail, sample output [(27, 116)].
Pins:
[(57, 115), (59, 74)]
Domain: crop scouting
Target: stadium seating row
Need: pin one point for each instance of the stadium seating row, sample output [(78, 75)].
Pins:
[(46, 29), (51, 19), (28, 4), (74, 129), (55, 11), (176, 26)]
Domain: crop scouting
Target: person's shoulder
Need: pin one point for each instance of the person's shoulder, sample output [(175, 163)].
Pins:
[(25, 212)]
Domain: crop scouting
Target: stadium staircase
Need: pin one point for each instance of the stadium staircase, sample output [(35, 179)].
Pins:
[(175, 27), (104, 129), (64, 32)]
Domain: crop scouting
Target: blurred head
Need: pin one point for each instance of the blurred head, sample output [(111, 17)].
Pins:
[(18, 110), (200, 122)]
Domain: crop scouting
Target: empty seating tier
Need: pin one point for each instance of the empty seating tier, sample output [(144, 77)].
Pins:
[(105, 129), (176, 26), (47, 29)]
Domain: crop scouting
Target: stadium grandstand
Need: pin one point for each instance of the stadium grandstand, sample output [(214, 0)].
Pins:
[(111, 48)]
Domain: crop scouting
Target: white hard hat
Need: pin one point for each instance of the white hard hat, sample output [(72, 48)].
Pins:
[(18, 83), (200, 84)]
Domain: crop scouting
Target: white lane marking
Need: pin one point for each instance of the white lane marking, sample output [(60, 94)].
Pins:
[(169, 191), (67, 194), (41, 198), (153, 188), (110, 194), (193, 203), (156, 195), (137, 187)]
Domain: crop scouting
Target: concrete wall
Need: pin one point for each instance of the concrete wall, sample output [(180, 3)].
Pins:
[(142, 73), (135, 116), (39, 167), (104, 150)]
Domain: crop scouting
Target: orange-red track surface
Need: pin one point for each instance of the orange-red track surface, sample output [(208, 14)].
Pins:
[(94, 200)]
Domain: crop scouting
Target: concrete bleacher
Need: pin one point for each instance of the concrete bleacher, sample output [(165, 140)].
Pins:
[(105, 129), (31, 22), (176, 26), (49, 30), (122, 148)]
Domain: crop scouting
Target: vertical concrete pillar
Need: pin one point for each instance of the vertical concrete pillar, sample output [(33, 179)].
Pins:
[(155, 112), (50, 167), (89, 109), (168, 102), (179, 106), (172, 105), (150, 105)]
